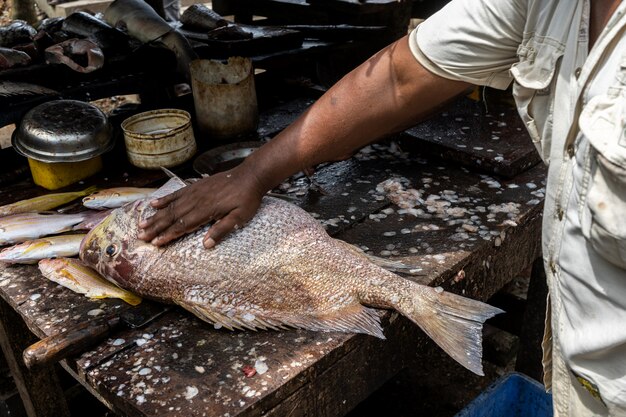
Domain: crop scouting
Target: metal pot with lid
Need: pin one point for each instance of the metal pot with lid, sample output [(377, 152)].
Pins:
[(63, 141)]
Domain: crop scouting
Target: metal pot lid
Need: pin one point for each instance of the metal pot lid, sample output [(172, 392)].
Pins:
[(63, 131)]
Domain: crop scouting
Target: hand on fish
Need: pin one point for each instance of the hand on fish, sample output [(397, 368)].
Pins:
[(230, 199)]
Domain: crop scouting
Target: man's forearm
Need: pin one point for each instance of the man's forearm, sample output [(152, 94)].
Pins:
[(388, 93)]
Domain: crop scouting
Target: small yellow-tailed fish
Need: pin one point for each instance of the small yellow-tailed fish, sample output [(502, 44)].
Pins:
[(78, 277), (21, 227), (31, 251), (115, 197), (43, 202)]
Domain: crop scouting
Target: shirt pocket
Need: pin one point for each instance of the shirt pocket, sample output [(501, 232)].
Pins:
[(603, 122), (534, 89)]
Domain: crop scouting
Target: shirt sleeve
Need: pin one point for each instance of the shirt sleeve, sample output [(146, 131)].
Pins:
[(474, 41)]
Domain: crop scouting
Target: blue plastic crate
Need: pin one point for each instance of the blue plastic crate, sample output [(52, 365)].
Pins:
[(513, 395)]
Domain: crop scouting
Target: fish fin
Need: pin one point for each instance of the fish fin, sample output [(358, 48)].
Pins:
[(87, 191), (91, 219), (453, 322), (211, 316), (173, 184), (388, 264), (352, 319), (130, 298)]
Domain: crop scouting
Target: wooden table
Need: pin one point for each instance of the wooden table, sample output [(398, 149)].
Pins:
[(476, 232)]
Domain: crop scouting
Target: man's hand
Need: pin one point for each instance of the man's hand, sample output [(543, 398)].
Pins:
[(230, 199), (388, 93)]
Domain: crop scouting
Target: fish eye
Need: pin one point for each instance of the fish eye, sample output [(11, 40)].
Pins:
[(111, 250)]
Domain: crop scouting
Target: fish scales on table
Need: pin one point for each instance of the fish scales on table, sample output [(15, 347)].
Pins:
[(78, 277), (281, 270), (32, 251), (43, 202)]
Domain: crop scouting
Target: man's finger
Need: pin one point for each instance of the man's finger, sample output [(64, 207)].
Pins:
[(164, 201), (171, 233), (219, 230), (157, 223)]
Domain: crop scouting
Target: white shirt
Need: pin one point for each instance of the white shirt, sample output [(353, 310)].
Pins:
[(573, 103)]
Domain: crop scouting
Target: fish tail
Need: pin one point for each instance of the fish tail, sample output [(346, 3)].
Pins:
[(454, 322), (87, 191)]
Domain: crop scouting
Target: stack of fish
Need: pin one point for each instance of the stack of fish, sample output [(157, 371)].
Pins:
[(37, 235), (79, 41)]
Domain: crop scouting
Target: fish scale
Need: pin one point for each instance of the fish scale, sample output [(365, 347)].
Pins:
[(281, 270)]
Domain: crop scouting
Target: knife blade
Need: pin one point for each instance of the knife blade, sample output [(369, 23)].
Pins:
[(77, 339)]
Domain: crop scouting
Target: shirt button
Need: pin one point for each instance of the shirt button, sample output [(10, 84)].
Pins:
[(559, 213), (570, 150), (577, 72)]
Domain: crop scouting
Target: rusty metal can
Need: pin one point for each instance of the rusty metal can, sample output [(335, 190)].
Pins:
[(159, 138)]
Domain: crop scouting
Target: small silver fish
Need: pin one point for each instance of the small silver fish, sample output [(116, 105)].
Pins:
[(115, 197), (31, 251), (27, 226), (75, 275)]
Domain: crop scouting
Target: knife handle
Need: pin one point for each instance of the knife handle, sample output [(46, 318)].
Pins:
[(71, 342)]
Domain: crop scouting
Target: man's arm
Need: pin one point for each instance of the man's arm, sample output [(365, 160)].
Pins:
[(388, 93)]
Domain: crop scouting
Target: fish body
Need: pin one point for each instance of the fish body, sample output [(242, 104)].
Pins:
[(18, 228), (10, 58), (43, 202), (31, 251), (199, 16), (17, 32), (78, 277), (281, 270), (81, 55), (115, 197)]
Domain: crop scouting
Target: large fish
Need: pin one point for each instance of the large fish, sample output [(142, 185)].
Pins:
[(281, 270)]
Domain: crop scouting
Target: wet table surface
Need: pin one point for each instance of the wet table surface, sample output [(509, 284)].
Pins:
[(471, 232)]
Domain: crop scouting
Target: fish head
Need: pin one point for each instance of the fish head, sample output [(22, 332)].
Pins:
[(101, 199), (112, 247), (48, 266)]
